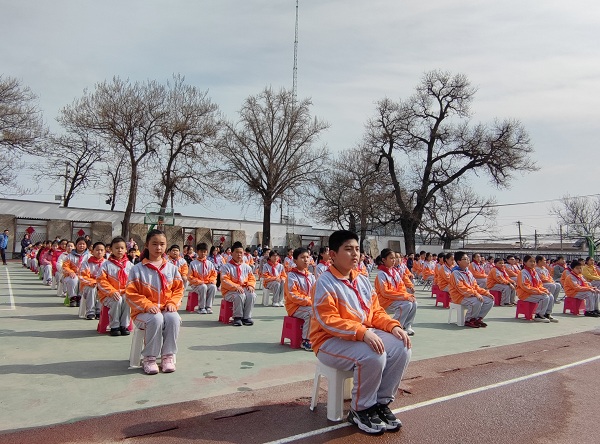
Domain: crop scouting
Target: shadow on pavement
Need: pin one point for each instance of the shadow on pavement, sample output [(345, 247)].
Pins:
[(75, 369)]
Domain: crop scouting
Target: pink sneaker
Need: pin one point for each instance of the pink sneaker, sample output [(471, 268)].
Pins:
[(150, 366), (167, 364)]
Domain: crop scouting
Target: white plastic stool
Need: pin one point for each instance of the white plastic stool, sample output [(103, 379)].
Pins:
[(259, 283), (460, 314), (82, 308), (267, 293), (339, 387), (137, 344)]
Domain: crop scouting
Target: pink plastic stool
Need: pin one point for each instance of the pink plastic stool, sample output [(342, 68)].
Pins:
[(105, 321), (573, 305), (226, 311), (434, 291), (292, 330), (443, 297), (526, 308), (192, 301), (497, 296)]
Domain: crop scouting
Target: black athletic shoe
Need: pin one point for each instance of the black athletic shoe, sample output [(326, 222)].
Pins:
[(124, 331), (392, 424), (237, 322), (90, 317), (115, 332), (247, 321), (367, 420), (591, 314)]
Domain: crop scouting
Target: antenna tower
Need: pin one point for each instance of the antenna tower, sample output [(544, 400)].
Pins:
[(295, 81)]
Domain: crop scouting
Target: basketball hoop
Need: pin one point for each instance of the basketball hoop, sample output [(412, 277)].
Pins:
[(159, 218)]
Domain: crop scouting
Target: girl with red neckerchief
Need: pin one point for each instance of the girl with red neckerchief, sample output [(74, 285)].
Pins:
[(576, 286), (90, 271), (154, 292), (274, 275), (531, 289), (323, 261), (499, 280), (298, 302)]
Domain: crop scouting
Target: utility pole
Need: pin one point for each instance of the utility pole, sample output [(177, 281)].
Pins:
[(295, 78), (66, 179), (536, 239), (519, 223), (561, 237)]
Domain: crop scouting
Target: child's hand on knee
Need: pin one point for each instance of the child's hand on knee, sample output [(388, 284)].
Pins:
[(171, 307), (374, 342), (401, 334), (154, 309), (116, 296)]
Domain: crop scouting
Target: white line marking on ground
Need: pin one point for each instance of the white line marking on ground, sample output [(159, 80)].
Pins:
[(440, 399), (11, 297)]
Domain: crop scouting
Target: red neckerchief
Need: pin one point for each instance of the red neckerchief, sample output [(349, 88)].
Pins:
[(121, 263), (80, 257), (95, 260), (238, 268), (326, 263), (354, 287), (478, 267), (504, 273), (534, 277), (273, 267), (175, 262), (305, 275), (202, 264), (163, 280), (387, 271), (579, 279)]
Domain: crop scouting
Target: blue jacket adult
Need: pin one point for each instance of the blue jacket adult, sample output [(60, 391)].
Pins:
[(24, 244), (3, 241)]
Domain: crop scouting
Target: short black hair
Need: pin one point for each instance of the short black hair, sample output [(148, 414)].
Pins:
[(338, 238), (575, 263), (237, 245), (117, 240), (202, 246), (459, 255), (174, 247), (97, 244), (298, 251)]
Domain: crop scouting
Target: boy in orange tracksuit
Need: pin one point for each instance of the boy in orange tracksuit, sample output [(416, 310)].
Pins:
[(350, 331), (531, 289), (273, 274), (476, 267), (90, 270), (237, 285), (175, 258), (465, 291), (203, 279), (512, 268), (499, 280), (444, 272), (298, 302), (576, 286)]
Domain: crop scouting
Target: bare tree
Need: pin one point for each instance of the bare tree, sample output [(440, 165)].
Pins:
[(270, 151), (580, 215), (115, 177), (457, 212), (188, 134), (350, 194), (126, 115), (426, 143), (80, 154), (21, 126)]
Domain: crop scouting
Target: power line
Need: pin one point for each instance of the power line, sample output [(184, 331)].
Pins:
[(536, 201)]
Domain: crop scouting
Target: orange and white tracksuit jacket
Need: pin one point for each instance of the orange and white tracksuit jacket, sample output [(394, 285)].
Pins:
[(145, 287), (443, 277), (345, 308), (477, 270), (573, 283), (512, 270), (463, 284), (202, 272), (297, 290), (272, 272), (526, 286), (428, 269), (108, 280), (362, 268), (181, 265), (74, 261), (544, 275), (90, 270), (497, 276), (288, 263), (234, 276), (390, 287)]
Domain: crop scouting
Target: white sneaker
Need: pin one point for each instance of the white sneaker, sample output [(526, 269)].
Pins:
[(539, 318), (410, 331)]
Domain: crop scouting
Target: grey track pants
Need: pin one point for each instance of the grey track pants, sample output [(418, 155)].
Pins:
[(243, 303), (160, 332)]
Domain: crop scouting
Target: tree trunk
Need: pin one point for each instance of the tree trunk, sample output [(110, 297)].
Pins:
[(410, 230), (352, 223), (267, 223), (447, 243), (130, 202)]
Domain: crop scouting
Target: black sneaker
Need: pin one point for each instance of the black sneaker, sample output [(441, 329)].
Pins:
[(115, 332), (367, 420), (392, 424), (124, 331), (247, 321), (591, 314), (237, 322), (90, 317), (306, 345)]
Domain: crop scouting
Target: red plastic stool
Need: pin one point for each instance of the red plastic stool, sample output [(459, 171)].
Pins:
[(443, 297), (573, 305), (526, 308), (292, 330), (104, 322), (226, 311), (434, 291), (192, 301), (497, 296)]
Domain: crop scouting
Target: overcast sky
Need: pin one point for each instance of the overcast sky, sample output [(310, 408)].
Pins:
[(537, 61)]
